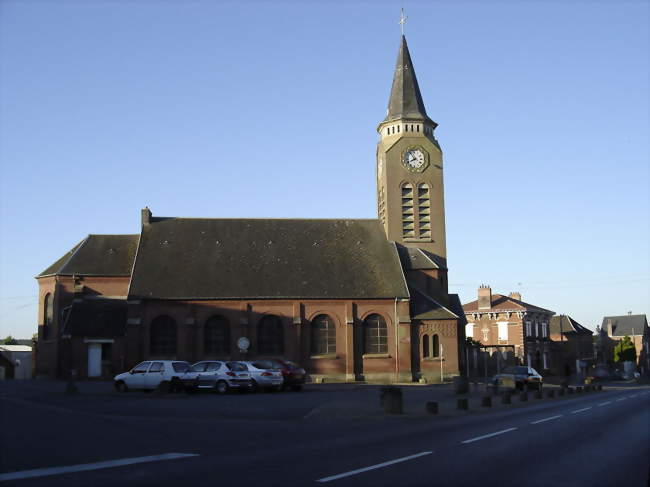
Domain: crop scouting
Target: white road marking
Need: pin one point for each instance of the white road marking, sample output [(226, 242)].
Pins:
[(580, 410), (605, 403), (471, 440), (634, 395), (42, 472), (546, 419), (621, 399), (373, 467)]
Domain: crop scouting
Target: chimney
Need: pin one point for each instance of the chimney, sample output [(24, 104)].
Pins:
[(484, 297), (610, 332), (145, 214), (515, 295)]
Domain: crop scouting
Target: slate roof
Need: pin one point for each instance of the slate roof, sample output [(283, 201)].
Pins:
[(97, 318), (626, 324), (505, 303), (201, 258), (568, 326), (415, 259), (405, 97), (424, 307), (97, 255)]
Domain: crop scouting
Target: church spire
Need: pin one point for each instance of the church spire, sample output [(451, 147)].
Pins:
[(405, 98)]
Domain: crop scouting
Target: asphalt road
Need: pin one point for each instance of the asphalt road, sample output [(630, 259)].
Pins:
[(595, 439)]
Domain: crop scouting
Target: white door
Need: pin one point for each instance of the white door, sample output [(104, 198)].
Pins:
[(94, 359)]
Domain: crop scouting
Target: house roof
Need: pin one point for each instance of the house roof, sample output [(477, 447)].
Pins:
[(97, 255), (504, 303), (566, 324), (415, 259), (626, 324), (201, 258), (97, 318)]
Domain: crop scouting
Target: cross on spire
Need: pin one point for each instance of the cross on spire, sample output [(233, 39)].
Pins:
[(402, 20)]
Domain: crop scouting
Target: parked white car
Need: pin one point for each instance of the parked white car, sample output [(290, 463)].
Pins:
[(265, 375), (218, 376), (151, 374)]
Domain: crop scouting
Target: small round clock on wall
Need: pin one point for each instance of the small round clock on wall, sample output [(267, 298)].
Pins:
[(415, 159)]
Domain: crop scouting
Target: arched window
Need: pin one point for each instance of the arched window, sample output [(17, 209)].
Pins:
[(424, 211), (435, 345), (162, 335), (48, 315), (216, 336), (375, 335), (270, 336), (408, 211), (426, 350), (323, 335)]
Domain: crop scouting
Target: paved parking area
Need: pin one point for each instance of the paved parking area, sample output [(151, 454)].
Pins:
[(314, 402)]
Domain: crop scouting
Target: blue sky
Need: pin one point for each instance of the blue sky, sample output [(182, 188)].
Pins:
[(257, 109)]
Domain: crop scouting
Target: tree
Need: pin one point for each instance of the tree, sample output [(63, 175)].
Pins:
[(9, 340), (625, 351)]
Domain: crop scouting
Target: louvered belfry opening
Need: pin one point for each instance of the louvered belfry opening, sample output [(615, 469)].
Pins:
[(424, 211), (408, 211)]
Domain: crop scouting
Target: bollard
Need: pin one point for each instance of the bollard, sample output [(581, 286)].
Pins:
[(523, 397), (486, 402), (506, 398), (390, 398), (600, 387), (461, 403), (561, 391), (538, 394), (569, 390), (431, 407), (550, 393), (579, 390)]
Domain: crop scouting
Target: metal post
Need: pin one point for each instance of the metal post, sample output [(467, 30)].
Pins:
[(441, 356), (485, 363)]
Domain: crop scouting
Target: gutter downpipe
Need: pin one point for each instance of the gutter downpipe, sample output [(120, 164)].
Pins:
[(396, 344)]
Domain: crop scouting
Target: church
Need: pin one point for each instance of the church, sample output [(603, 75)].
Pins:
[(348, 299)]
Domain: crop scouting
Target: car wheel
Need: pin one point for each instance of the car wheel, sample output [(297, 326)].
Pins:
[(296, 387), (120, 386), (221, 387), (255, 387), (275, 389), (176, 385)]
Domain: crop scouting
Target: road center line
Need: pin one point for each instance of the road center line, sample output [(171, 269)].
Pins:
[(471, 440), (605, 403), (580, 410), (42, 472), (373, 467), (546, 419)]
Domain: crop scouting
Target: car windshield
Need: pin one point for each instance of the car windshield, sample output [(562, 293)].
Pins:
[(236, 366), (516, 370), (180, 366)]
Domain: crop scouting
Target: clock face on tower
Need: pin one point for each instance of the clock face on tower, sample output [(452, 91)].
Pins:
[(415, 159)]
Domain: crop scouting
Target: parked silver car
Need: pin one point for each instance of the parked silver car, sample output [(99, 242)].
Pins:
[(265, 375), (218, 376)]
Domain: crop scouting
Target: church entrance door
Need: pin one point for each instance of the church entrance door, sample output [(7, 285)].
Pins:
[(94, 359)]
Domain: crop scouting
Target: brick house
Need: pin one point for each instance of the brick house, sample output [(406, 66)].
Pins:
[(348, 299), (496, 319), (615, 328), (573, 345)]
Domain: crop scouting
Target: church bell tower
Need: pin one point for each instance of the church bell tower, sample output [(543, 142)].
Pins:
[(409, 168)]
